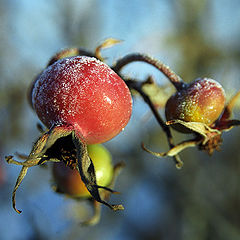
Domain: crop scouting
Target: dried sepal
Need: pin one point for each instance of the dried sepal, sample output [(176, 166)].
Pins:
[(116, 171), (204, 130), (35, 157), (212, 144), (104, 195), (60, 143), (21, 176), (229, 107), (227, 125), (95, 218), (175, 150), (178, 161), (55, 133), (224, 123), (207, 139), (109, 42), (86, 169)]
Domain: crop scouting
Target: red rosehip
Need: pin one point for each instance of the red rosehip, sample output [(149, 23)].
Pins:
[(200, 101), (84, 93)]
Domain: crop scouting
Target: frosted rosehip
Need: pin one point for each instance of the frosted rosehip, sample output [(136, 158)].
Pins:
[(84, 93), (81, 101), (200, 101)]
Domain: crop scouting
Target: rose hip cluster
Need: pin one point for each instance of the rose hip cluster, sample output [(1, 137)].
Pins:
[(83, 101)]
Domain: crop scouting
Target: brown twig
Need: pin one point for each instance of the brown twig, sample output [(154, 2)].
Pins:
[(134, 57), (138, 87)]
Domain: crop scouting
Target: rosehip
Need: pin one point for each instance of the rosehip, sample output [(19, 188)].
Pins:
[(200, 101), (68, 181), (81, 101), (84, 93)]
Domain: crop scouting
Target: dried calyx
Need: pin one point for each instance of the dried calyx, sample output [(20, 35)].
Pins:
[(68, 181), (62, 144)]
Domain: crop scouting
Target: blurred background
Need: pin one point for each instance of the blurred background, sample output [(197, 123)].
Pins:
[(197, 39)]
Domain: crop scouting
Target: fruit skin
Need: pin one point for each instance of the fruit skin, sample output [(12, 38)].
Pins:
[(200, 101), (68, 181), (85, 93)]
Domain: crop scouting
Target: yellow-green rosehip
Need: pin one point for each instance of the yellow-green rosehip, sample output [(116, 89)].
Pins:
[(200, 101), (69, 182)]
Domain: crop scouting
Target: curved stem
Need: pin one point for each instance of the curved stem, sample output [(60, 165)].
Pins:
[(96, 216), (138, 87), (172, 76)]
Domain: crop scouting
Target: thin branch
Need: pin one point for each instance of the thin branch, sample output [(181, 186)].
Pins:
[(138, 87), (134, 57)]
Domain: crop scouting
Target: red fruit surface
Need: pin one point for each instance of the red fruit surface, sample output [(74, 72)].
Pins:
[(200, 101), (85, 93)]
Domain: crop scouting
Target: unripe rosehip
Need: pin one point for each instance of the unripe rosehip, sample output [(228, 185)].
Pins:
[(200, 101), (69, 182), (84, 93)]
